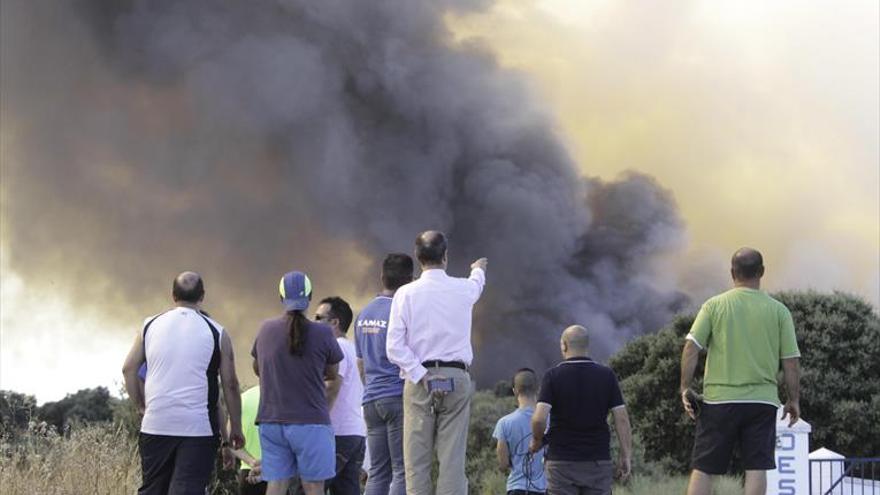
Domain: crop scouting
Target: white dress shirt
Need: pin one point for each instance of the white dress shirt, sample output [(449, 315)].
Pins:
[(431, 320)]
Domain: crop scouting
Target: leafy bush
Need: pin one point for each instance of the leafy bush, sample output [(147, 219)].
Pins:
[(839, 339)]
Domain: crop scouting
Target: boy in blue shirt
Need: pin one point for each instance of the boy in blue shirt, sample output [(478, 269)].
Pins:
[(513, 433)]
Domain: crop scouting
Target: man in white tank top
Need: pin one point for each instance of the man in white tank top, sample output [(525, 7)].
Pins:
[(185, 351)]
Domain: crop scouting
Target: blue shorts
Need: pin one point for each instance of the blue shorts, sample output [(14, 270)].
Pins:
[(307, 451)]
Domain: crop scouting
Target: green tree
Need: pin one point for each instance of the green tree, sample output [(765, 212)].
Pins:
[(87, 405), (16, 410), (839, 339)]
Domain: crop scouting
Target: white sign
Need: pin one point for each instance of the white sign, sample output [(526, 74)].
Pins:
[(792, 473)]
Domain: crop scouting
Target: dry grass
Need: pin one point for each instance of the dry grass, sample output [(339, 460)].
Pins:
[(96, 459)]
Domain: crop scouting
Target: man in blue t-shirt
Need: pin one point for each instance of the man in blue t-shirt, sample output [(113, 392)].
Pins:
[(383, 390), (513, 433)]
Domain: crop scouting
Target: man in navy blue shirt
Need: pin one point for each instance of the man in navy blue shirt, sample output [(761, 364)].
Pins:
[(581, 393), (383, 390)]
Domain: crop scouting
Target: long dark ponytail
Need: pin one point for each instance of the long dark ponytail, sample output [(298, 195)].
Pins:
[(297, 325)]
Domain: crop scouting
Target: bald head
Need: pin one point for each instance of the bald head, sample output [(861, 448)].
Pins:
[(575, 341), (747, 264), (188, 287), (431, 248)]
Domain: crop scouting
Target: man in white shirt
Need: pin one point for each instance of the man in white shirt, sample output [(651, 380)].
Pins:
[(185, 351), (346, 414), (429, 338)]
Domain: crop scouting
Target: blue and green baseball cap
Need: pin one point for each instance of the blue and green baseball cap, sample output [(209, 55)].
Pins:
[(295, 289)]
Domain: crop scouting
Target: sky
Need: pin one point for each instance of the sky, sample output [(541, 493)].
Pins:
[(761, 118)]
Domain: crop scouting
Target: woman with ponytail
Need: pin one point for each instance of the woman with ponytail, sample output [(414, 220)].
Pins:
[(294, 356)]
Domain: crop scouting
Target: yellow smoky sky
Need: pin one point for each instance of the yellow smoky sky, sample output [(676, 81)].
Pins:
[(761, 117)]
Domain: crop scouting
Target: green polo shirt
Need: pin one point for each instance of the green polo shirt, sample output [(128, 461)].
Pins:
[(250, 403), (746, 333)]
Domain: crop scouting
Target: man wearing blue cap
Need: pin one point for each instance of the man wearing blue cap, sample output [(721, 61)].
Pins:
[(293, 357)]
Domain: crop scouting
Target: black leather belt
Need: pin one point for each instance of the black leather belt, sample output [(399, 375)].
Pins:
[(445, 364)]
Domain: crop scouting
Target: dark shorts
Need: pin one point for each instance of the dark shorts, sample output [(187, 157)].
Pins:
[(579, 477), (523, 492), (720, 427), (176, 465)]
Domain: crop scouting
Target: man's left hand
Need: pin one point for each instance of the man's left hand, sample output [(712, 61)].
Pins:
[(481, 263), (792, 409), (624, 468)]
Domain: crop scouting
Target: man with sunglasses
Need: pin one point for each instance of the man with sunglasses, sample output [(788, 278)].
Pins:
[(346, 414)]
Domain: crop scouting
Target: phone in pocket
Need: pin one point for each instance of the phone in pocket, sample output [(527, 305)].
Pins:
[(441, 385)]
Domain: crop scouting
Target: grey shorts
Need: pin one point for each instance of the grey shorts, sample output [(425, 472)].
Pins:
[(579, 477)]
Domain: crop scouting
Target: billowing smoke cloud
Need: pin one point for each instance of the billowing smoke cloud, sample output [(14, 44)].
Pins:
[(246, 139)]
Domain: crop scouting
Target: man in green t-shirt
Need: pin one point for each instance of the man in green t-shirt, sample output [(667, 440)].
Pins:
[(746, 334)]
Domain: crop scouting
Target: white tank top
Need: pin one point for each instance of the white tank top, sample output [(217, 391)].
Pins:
[(183, 359)]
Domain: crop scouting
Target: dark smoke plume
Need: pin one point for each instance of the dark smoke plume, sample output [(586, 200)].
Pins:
[(243, 139)]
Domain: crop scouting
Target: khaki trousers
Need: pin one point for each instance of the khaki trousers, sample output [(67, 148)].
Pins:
[(445, 427)]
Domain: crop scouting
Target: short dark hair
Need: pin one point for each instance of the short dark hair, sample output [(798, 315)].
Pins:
[(431, 247), (340, 310), (747, 264), (525, 382), (397, 270), (192, 294)]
